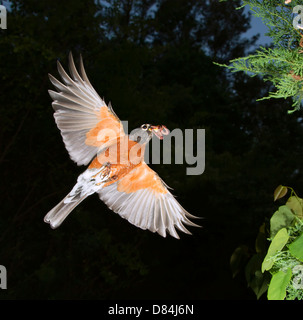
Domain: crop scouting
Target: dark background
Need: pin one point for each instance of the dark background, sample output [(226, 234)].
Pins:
[(154, 61)]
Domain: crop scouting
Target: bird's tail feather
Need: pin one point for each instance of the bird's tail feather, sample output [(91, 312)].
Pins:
[(88, 183), (58, 214)]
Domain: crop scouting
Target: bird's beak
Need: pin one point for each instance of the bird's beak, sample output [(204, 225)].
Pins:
[(159, 131)]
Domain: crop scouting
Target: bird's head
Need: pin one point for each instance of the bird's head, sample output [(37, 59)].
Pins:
[(144, 133)]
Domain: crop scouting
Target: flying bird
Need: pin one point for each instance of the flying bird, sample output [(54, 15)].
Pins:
[(94, 135)]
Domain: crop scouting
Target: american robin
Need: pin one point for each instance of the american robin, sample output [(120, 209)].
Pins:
[(118, 173)]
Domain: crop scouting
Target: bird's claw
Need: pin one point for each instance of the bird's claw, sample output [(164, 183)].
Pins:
[(103, 174)]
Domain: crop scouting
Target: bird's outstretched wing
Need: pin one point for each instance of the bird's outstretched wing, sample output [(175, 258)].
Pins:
[(85, 121), (143, 199)]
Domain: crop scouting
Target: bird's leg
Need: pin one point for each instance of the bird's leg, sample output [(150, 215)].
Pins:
[(103, 173)]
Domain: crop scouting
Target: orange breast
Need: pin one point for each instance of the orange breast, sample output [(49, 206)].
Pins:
[(123, 152)]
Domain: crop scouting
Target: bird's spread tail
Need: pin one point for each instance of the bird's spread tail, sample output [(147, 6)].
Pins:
[(88, 183)]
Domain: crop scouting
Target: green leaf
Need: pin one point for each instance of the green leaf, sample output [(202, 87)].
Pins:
[(296, 205), (280, 192), (278, 284), (296, 248), (282, 218), (277, 244)]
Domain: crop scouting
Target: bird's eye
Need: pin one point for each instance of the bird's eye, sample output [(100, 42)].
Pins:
[(144, 127)]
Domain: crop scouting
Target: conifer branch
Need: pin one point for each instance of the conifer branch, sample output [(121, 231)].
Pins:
[(282, 63)]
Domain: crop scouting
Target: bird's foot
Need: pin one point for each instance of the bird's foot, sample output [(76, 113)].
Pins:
[(102, 175)]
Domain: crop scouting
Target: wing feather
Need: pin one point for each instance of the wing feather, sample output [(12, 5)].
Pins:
[(150, 207), (148, 201), (73, 102), (170, 218), (73, 70), (81, 114), (143, 203), (136, 207)]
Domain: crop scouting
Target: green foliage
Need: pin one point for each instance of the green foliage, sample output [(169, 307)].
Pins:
[(283, 260), (278, 18), (277, 244), (278, 284), (280, 192), (282, 218), (282, 64), (296, 248)]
